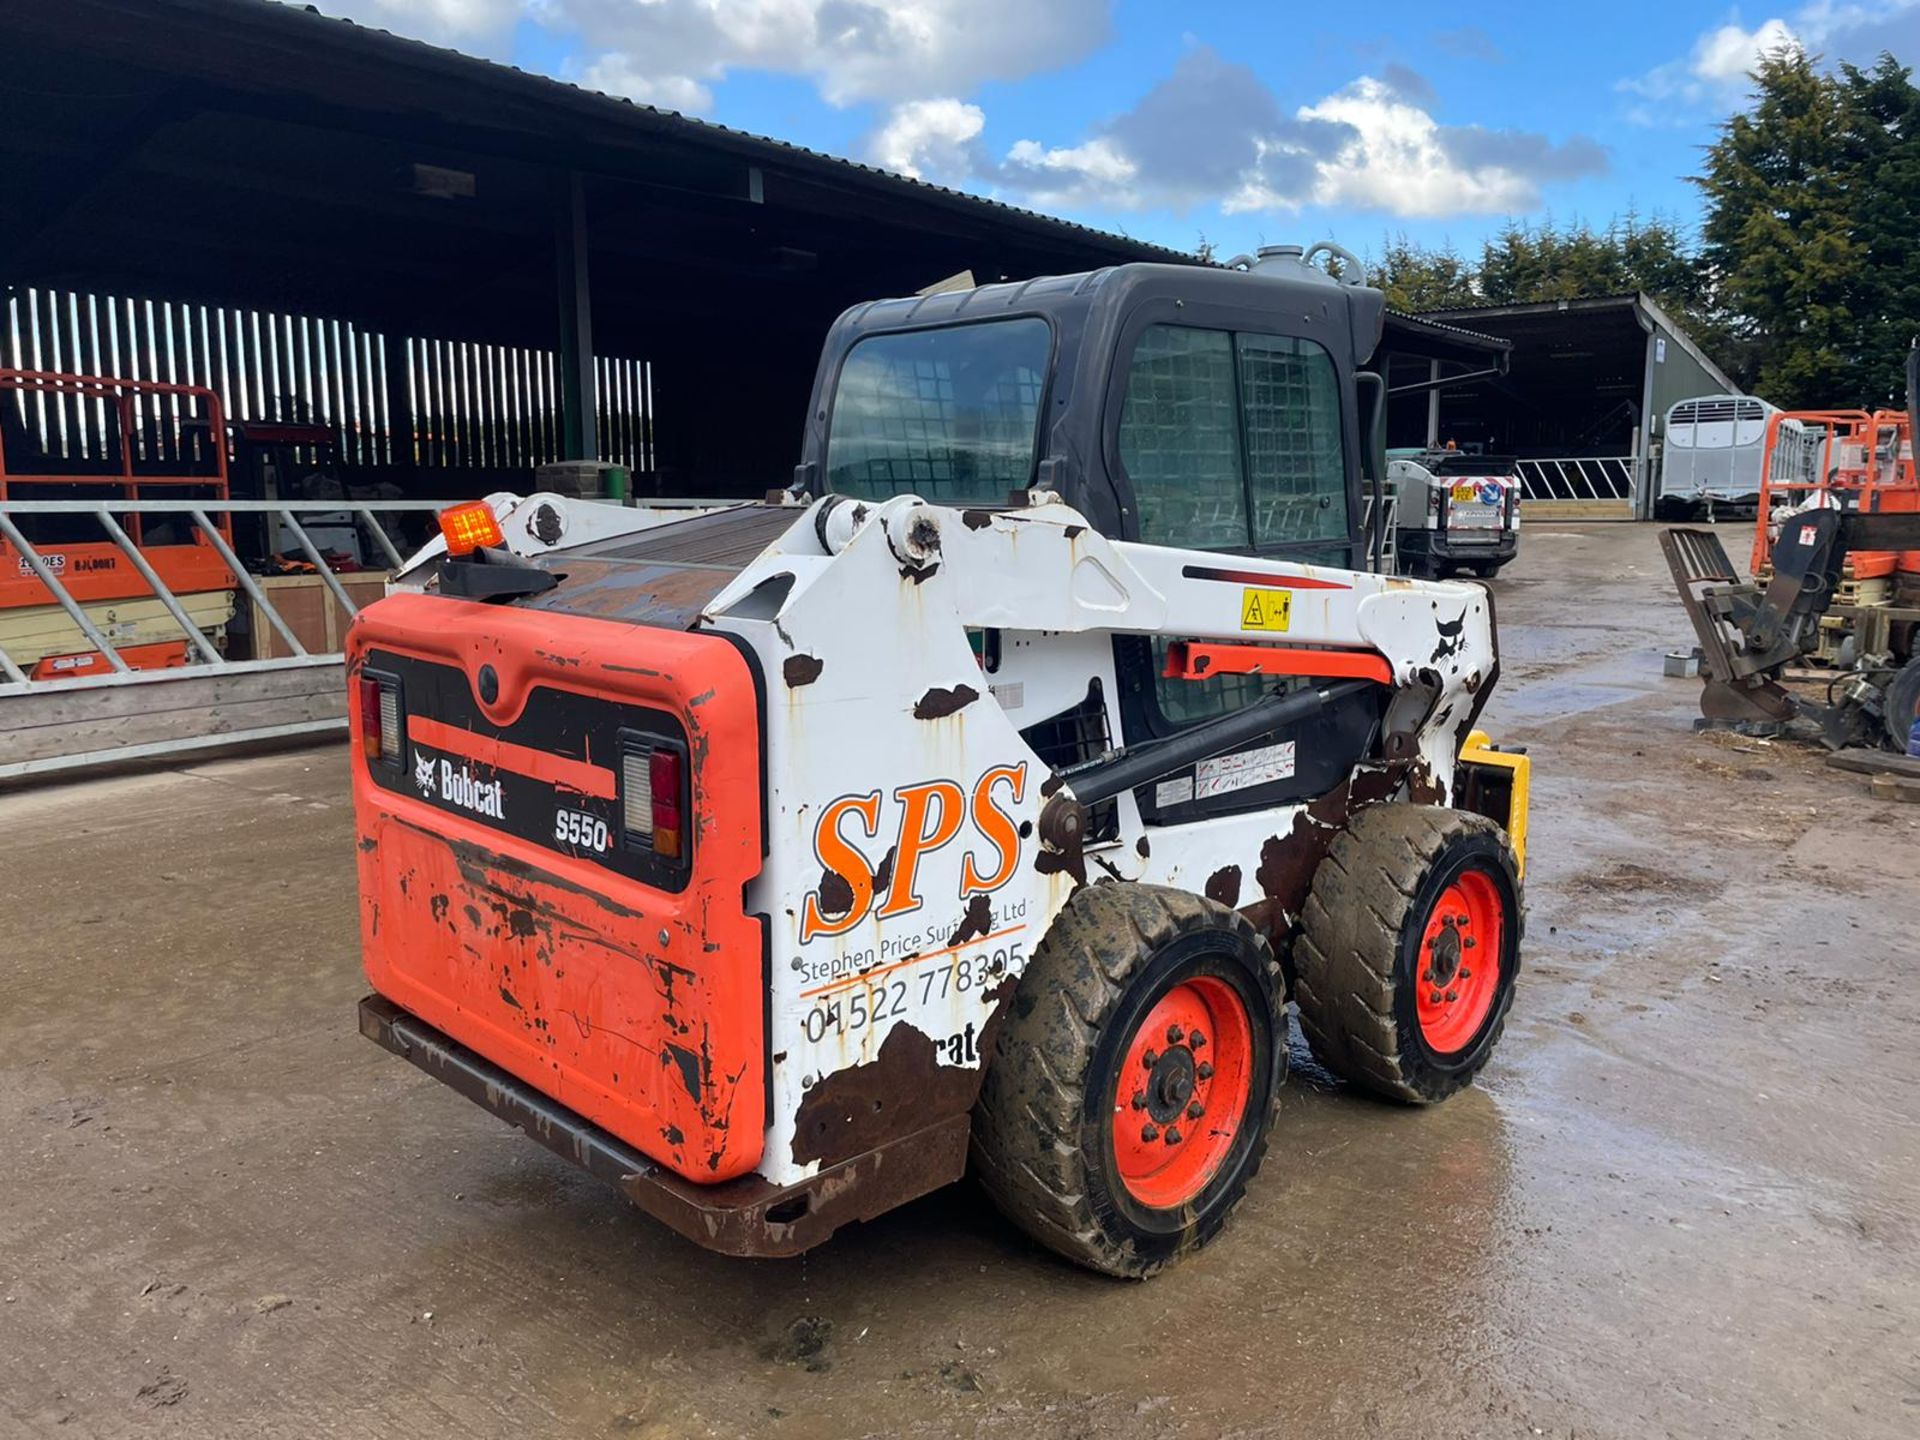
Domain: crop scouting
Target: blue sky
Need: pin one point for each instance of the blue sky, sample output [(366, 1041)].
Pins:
[(1247, 121)]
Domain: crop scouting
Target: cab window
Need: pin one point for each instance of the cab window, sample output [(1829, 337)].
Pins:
[(1233, 441), (1180, 440), (950, 414), (1290, 416)]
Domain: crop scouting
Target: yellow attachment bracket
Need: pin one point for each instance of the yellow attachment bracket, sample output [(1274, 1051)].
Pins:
[(1479, 751)]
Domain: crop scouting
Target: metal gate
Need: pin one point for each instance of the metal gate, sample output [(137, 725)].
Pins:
[(86, 681)]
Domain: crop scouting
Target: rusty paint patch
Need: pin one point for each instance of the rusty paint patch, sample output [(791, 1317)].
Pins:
[(438, 905), (1142, 848), (368, 845), (904, 1089), (1074, 532), (836, 895), (474, 861), (511, 999), (977, 921), (1057, 862), (802, 670), (976, 519), (1223, 886), (937, 703), (1287, 862)]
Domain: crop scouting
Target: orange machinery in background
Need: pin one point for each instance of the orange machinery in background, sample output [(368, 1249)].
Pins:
[(1858, 460), (105, 424)]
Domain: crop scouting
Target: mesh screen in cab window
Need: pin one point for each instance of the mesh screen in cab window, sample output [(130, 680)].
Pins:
[(951, 415)]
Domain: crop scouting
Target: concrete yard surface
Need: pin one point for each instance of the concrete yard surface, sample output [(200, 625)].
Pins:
[(1684, 1201)]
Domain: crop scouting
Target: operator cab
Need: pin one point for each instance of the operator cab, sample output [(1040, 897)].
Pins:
[(1170, 404)]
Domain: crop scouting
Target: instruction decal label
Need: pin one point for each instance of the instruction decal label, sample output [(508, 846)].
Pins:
[(1225, 773), (1262, 609)]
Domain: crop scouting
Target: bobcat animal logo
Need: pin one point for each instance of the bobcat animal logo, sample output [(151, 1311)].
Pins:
[(423, 774)]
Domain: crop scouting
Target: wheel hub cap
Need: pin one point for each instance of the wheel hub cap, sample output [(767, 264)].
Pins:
[(1457, 974), (1181, 1093)]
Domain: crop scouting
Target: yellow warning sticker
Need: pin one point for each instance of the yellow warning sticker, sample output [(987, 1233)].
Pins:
[(1265, 609)]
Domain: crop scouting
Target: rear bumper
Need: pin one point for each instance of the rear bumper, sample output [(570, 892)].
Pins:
[(747, 1216), (1463, 545)]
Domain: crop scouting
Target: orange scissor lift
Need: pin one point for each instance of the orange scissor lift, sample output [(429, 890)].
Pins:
[(101, 575), (1857, 460)]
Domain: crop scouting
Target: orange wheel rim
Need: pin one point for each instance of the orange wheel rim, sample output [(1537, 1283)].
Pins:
[(1457, 973), (1181, 1096)]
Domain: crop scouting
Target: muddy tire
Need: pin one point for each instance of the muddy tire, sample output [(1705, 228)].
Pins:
[(1903, 704), (1131, 1088), (1391, 967)]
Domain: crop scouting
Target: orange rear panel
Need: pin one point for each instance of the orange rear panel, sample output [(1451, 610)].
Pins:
[(628, 988)]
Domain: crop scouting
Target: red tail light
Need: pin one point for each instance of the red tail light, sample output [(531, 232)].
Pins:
[(653, 794), (665, 770)]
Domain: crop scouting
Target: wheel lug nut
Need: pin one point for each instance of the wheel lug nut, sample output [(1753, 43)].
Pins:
[(1204, 1070), (1453, 995), (1175, 1034), (1140, 1100), (1173, 1135), (1149, 1131), (1465, 974), (1150, 1059), (1196, 1110), (1434, 999), (1196, 1040), (1471, 943)]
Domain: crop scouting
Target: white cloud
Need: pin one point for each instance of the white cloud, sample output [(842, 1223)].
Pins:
[(1213, 134), (929, 139), (1097, 172), (853, 50), (1714, 71), (1726, 56), (1398, 161), (616, 74)]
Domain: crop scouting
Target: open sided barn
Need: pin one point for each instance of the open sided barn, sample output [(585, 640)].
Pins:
[(1583, 402)]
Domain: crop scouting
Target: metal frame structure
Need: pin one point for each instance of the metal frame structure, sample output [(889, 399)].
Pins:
[(1583, 478), (216, 533)]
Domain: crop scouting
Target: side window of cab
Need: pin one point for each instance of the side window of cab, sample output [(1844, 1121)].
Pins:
[(1232, 441)]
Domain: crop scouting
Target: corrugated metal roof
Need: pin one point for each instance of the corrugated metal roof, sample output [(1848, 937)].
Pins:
[(711, 132)]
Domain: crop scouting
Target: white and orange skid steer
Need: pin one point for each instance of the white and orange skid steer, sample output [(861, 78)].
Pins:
[(782, 862)]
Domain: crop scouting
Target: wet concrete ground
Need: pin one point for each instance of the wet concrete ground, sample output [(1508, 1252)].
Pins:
[(1683, 1202)]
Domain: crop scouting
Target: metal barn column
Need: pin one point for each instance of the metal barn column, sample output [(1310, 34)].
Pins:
[(578, 440)]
